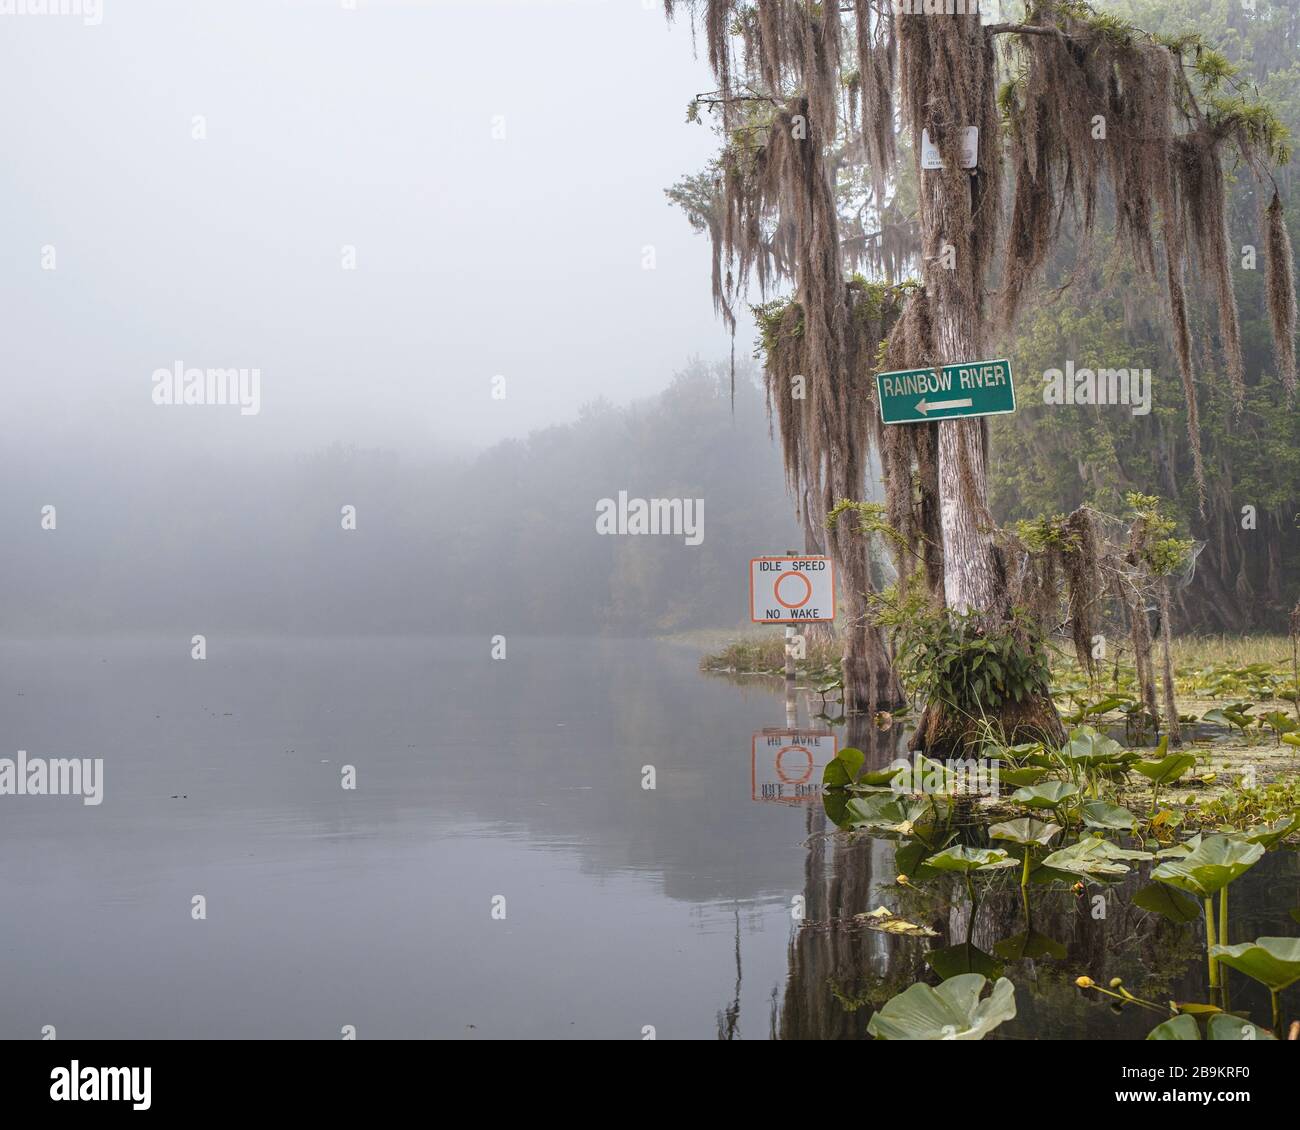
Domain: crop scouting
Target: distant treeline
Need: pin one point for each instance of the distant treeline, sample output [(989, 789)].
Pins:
[(504, 542)]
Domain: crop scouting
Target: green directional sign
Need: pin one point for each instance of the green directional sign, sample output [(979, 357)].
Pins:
[(976, 388)]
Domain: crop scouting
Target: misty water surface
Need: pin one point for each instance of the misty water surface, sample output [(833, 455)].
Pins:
[(625, 907)]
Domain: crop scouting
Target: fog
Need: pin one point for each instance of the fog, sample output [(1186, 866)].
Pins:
[(428, 234), (501, 198)]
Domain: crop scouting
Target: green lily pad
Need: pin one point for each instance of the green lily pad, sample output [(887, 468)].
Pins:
[(1221, 1026), (1180, 851), (1273, 962), (1088, 747), (1270, 834), (1093, 856), (1018, 778), (1214, 863), (1025, 830), (1167, 769), (1180, 1027), (1176, 905), (843, 768), (1050, 794), (966, 859), (1226, 1026), (887, 812), (836, 804), (1029, 944), (952, 1011), (958, 960), (1099, 814)]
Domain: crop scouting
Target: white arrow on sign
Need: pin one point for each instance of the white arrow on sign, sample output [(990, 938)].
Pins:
[(938, 405)]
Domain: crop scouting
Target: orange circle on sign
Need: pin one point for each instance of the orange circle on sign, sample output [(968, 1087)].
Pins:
[(780, 769), (776, 590)]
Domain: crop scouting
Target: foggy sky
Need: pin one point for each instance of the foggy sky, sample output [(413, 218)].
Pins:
[(328, 127)]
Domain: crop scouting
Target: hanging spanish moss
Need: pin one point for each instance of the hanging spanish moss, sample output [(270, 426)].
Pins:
[(1092, 96), (806, 188), (1279, 282), (877, 57)]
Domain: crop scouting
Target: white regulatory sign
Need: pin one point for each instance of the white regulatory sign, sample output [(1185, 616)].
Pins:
[(791, 590), (787, 765)]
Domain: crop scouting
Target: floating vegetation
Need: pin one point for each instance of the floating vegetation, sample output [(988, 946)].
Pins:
[(1085, 827), (951, 1011)]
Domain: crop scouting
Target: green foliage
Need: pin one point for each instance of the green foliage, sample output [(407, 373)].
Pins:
[(1214, 863), (1049, 459), (1273, 962), (1220, 1026), (952, 1011), (769, 318), (955, 658), (1162, 553)]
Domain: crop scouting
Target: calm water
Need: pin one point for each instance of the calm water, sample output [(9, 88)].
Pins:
[(624, 907)]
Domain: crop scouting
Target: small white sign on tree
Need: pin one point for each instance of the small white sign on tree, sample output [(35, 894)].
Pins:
[(970, 147)]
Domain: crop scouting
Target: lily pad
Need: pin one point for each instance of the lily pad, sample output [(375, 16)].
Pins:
[(1176, 905), (1026, 830), (1050, 794), (1273, 962), (1093, 856), (1214, 863), (1180, 1027), (1021, 777), (1221, 1026), (1100, 814), (952, 1011), (1088, 747), (887, 812), (1270, 834), (966, 859), (962, 959), (1028, 944), (1226, 1026), (843, 768), (1167, 769)]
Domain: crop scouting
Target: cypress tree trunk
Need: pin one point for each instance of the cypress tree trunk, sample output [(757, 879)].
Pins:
[(1172, 727), (870, 682), (949, 83)]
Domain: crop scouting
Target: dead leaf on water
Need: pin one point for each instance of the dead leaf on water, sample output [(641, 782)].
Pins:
[(886, 922)]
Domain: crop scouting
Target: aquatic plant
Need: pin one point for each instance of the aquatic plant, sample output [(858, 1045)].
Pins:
[(950, 1011), (1092, 856), (1273, 962), (1204, 871), (1028, 833), (1164, 771), (1049, 794), (1221, 1026)]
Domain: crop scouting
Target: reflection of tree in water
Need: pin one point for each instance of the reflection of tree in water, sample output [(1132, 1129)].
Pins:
[(836, 966), (729, 1018), (839, 971)]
